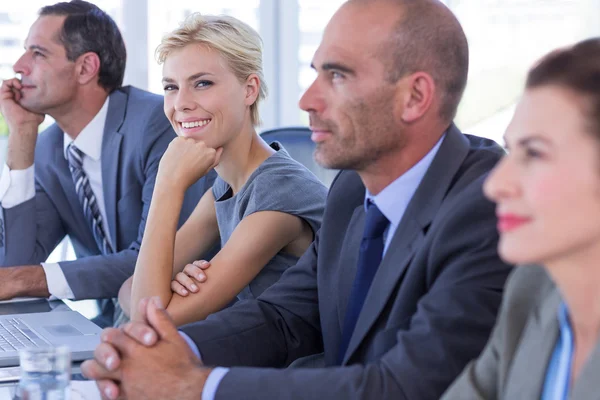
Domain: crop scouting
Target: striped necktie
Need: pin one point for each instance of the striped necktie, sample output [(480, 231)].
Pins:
[(87, 198)]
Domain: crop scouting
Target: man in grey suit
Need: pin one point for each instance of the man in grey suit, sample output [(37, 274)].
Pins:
[(94, 169), (401, 286)]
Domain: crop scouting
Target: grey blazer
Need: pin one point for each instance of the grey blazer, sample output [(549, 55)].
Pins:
[(430, 309), (514, 362), (136, 134)]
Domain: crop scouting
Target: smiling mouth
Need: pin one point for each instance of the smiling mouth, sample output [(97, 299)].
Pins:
[(195, 124)]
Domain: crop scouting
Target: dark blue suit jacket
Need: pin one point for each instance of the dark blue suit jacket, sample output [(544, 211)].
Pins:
[(430, 309)]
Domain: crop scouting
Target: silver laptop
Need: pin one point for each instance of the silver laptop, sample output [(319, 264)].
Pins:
[(55, 328)]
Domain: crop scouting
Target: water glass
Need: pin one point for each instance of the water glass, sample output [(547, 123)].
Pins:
[(45, 373)]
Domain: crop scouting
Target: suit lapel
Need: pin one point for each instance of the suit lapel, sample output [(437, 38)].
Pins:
[(410, 233), (111, 146), (349, 260), (538, 343)]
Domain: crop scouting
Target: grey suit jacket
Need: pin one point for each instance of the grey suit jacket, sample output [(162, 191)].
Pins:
[(430, 309), (514, 362), (136, 134)]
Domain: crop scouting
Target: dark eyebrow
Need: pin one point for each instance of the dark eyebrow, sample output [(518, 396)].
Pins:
[(189, 79), (39, 48), (334, 66)]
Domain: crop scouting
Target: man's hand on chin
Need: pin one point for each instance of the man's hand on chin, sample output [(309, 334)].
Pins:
[(146, 360)]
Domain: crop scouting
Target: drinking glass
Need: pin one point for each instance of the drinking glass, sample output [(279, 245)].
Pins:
[(45, 373)]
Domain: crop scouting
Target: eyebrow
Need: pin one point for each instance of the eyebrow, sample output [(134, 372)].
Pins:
[(527, 140), (334, 66), (166, 79), (39, 48)]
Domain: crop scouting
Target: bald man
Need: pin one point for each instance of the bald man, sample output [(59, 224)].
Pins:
[(401, 287)]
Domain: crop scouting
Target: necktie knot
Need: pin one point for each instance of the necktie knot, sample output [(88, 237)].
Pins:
[(375, 222), (75, 156)]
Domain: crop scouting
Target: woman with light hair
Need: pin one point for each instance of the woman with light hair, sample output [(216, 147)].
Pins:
[(264, 207)]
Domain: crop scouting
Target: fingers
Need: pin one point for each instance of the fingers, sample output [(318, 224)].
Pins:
[(121, 341), (160, 320), (187, 282), (92, 369), (196, 270), (108, 389), (141, 332), (178, 288), (107, 356), (11, 89), (202, 264), (142, 307)]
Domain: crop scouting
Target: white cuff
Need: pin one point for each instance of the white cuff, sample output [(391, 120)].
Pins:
[(57, 283), (212, 383), (16, 186)]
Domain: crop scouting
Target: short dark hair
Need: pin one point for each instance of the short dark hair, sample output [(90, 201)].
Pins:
[(429, 38), (89, 29), (576, 68)]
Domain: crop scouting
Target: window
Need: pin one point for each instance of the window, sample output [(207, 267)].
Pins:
[(312, 19), (505, 38)]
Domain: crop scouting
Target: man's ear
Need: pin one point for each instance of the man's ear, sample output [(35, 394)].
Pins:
[(252, 89), (88, 67), (419, 94)]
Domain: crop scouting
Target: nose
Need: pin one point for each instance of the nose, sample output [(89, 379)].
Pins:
[(312, 100), (184, 100), (502, 182), (22, 65)]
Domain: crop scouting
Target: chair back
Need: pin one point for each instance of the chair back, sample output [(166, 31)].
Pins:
[(296, 140)]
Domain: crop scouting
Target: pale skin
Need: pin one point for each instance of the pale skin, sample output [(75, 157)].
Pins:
[(50, 84), (550, 180), (200, 85), (347, 75)]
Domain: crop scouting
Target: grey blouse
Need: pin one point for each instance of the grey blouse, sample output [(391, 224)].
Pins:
[(278, 184)]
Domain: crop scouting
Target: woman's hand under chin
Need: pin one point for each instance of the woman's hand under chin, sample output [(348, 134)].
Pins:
[(185, 161)]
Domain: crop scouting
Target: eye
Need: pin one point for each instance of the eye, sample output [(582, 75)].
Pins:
[(336, 75), (169, 88), (532, 153), (203, 84), (37, 54)]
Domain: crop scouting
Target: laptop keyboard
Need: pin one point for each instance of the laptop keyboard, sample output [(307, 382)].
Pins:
[(15, 335)]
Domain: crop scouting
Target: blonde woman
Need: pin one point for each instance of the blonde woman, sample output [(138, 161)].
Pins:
[(546, 343), (264, 207)]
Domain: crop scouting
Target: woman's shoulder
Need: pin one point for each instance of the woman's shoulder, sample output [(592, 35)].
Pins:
[(528, 290), (281, 174)]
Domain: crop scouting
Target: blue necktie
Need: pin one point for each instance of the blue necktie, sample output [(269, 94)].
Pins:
[(369, 258), (87, 198)]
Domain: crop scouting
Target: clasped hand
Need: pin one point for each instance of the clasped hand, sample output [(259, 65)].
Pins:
[(146, 360), (185, 161)]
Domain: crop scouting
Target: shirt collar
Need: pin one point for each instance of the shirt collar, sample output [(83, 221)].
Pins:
[(89, 140), (394, 198)]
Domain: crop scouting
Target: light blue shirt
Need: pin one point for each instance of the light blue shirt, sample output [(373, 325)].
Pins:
[(558, 374), (391, 201)]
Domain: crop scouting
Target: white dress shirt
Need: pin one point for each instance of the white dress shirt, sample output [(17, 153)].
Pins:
[(392, 201), (18, 186)]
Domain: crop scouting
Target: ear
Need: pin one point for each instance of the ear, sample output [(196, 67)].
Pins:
[(252, 89), (419, 93), (88, 67)]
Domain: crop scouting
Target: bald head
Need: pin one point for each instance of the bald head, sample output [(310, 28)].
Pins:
[(427, 37)]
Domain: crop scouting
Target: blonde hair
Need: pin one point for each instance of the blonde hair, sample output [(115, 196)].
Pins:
[(237, 42)]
